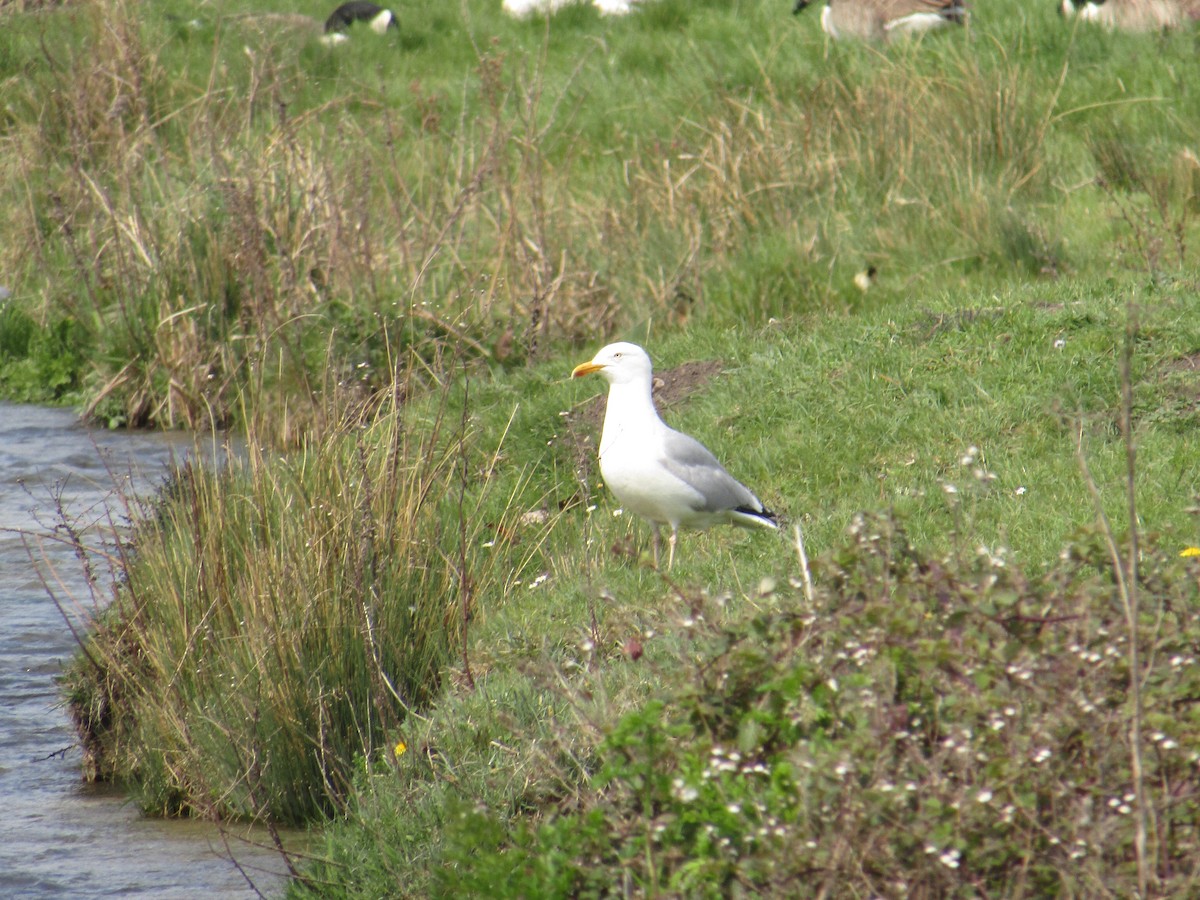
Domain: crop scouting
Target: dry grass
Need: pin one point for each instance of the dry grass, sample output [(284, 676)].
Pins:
[(235, 243), (283, 619)]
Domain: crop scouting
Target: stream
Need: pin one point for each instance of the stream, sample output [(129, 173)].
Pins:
[(60, 837)]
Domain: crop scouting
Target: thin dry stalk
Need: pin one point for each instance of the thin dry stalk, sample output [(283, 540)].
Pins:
[(800, 552), (1125, 571), (1131, 600), (464, 578)]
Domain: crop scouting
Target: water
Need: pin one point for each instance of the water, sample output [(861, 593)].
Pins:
[(58, 836)]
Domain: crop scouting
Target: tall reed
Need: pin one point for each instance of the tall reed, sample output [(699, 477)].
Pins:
[(282, 617)]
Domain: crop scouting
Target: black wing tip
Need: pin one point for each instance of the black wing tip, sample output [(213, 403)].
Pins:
[(955, 11)]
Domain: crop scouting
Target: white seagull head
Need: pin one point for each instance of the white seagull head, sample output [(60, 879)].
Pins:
[(620, 363)]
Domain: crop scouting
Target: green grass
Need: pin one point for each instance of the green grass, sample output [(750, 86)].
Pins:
[(827, 417), (559, 773), (386, 262), (546, 778), (947, 732), (234, 213)]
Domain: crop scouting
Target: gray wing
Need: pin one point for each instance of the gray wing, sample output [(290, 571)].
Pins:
[(690, 461)]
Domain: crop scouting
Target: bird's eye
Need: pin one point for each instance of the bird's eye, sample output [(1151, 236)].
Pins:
[(616, 356)]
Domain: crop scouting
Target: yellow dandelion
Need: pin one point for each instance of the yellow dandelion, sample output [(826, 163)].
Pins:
[(400, 748), (1190, 551)]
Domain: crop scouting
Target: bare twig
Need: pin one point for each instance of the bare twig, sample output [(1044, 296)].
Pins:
[(1125, 571), (464, 578), (808, 585)]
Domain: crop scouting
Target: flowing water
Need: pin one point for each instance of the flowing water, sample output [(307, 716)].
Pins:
[(58, 836)]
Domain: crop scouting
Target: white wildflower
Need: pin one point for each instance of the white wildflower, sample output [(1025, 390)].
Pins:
[(683, 791)]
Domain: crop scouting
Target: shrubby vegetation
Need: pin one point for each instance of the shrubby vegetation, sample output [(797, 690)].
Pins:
[(915, 728), (407, 612)]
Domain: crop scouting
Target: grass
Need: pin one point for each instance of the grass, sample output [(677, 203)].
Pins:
[(225, 218), (231, 677), (715, 732), (507, 728), (410, 612), (636, 732)]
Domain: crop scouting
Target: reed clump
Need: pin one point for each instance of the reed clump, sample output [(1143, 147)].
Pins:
[(282, 617)]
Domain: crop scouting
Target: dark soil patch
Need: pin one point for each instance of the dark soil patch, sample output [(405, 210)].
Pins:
[(1189, 363), (1177, 398), (932, 324)]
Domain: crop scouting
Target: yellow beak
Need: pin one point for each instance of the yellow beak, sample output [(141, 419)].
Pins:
[(586, 368)]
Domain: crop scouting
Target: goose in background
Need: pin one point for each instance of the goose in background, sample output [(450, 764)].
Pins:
[(522, 8), (1132, 15), (880, 20), (348, 14), (377, 17)]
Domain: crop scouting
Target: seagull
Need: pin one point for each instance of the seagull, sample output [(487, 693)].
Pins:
[(655, 471), (881, 19)]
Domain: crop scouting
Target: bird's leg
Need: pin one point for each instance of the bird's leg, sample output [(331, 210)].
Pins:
[(671, 546), (656, 542)]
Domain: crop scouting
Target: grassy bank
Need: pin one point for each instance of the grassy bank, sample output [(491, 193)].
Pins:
[(413, 609), (550, 648)]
